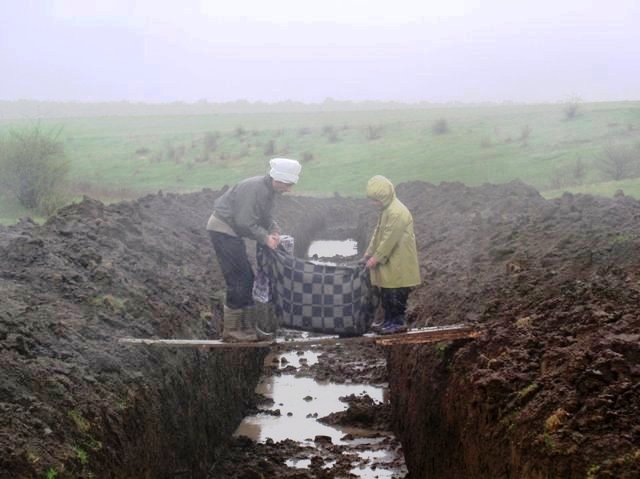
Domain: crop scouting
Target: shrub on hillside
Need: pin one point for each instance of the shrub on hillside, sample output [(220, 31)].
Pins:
[(210, 141), (525, 133), (440, 127), (571, 108), (374, 132), (270, 148), (34, 169), (619, 162)]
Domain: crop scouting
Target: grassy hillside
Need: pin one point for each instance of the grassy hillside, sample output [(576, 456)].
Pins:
[(119, 157)]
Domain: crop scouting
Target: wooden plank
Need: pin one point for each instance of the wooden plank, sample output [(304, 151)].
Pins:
[(193, 343), (414, 336), (423, 337)]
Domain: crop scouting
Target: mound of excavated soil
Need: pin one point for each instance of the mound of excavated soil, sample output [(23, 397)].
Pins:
[(75, 402), (552, 387), (550, 390)]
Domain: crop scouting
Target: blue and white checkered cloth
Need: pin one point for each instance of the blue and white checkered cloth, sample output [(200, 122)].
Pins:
[(317, 297)]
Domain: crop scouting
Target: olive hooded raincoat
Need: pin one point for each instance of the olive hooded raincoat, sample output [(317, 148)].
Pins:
[(393, 243)]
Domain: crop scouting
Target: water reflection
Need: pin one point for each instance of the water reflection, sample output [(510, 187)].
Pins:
[(331, 248), (300, 401)]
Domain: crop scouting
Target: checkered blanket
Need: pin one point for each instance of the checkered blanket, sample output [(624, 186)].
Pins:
[(316, 297)]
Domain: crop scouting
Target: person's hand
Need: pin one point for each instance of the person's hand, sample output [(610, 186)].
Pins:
[(371, 262), (273, 240)]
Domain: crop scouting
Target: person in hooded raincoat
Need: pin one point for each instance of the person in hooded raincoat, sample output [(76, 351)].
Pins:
[(392, 257), (245, 211)]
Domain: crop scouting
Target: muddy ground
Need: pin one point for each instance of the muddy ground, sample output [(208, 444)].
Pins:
[(340, 363), (549, 390)]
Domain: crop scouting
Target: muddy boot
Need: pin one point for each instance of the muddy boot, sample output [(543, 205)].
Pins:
[(377, 325), (233, 331), (251, 324), (266, 319), (395, 326)]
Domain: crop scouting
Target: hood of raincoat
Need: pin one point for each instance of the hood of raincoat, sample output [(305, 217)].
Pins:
[(381, 189)]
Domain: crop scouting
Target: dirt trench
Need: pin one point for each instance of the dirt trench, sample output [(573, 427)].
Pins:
[(550, 389)]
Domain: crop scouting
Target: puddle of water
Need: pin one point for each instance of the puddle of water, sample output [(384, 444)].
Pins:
[(296, 360), (331, 248), (298, 463), (380, 472), (301, 401)]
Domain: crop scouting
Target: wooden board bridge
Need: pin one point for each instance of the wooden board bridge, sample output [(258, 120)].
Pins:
[(413, 336)]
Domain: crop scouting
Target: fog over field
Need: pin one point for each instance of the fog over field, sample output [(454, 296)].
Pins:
[(466, 51)]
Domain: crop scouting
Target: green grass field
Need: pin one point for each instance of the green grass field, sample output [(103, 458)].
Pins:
[(125, 157)]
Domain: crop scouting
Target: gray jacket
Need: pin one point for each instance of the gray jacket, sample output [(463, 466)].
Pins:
[(246, 208)]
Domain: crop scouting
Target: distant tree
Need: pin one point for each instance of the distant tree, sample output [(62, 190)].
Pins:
[(331, 133), (180, 152), (34, 169), (169, 151), (328, 130), (210, 141), (525, 133), (440, 127), (619, 162), (270, 148), (579, 170), (571, 108), (374, 132)]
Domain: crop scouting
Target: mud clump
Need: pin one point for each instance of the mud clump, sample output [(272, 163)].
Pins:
[(362, 412)]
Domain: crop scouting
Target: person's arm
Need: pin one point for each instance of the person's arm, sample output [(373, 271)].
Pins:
[(369, 251), (246, 215), (390, 233)]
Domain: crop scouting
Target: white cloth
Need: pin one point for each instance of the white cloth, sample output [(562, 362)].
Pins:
[(285, 170)]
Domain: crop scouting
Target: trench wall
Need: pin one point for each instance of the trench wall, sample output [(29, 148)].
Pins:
[(173, 426)]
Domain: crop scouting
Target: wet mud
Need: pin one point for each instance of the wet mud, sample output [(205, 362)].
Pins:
[(549, 390), (307, 426)]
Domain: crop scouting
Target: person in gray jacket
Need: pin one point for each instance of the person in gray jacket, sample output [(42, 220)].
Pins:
[(245, 211)]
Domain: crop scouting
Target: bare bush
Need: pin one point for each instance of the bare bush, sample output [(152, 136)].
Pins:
[(270, 148), (579, 170), (619, 162), (440, 127), (210, 141), (570, 175), (374, 132), (34, 169), (571, 108), (525, 133), (169, 151), (180, 152), (331, 133)]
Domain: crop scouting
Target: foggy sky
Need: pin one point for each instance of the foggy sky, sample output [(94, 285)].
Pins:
[(273, 50)]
